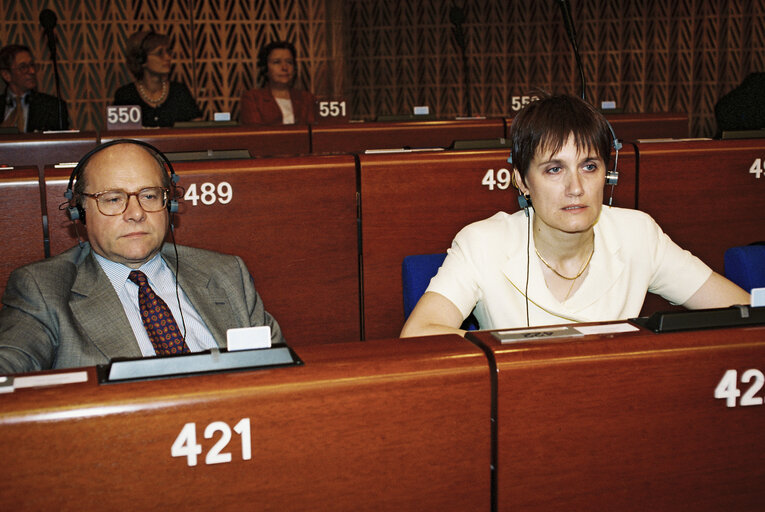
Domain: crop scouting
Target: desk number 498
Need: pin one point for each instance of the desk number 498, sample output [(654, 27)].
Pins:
[(727, 388)]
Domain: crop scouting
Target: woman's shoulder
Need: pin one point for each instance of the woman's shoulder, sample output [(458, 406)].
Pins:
[(621, 216), (500, 226), (260, 93), (302, 94), (178, 86), (128, 90), (627, 225)]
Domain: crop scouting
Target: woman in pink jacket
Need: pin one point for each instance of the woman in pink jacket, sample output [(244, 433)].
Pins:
[(278, 102)]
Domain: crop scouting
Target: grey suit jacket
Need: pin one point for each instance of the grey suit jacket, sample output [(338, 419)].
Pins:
[(63, 312)]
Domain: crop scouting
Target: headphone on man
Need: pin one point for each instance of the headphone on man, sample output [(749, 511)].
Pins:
[(612, 175), (75, 211)]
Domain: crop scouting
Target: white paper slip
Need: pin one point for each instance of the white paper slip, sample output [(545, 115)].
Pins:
[(758, 297), (246, 338), (607, 328), (10, 383)]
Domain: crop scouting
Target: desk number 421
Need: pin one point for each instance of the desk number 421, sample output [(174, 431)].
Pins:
[(185, 445), (727, 388)]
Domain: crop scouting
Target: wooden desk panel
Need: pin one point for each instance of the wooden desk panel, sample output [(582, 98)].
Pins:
[(392, 425), (629, 422), (631, 127), (358, 137), (39, 150), (294, 223), (20, 220), (259, 141), (702, 194), (415, 203)]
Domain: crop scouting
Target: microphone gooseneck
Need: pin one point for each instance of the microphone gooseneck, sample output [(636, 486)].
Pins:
[(457, 17), (48, 21), (569, 23)]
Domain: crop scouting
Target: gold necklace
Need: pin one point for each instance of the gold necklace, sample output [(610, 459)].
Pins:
[(151, 101), (581, 271)]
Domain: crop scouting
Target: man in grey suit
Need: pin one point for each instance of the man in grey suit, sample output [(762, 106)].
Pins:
[(80, 308)]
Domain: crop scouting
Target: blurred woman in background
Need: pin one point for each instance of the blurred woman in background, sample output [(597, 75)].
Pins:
[(163, 103), (277, 102)]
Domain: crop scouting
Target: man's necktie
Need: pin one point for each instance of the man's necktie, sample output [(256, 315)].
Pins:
[(157, 319), (16, 118)]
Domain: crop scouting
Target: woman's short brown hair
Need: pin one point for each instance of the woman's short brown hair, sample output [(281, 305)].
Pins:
[(139, 45), (546, 124)]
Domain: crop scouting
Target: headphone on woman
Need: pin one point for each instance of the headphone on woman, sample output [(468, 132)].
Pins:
[(75, 211)]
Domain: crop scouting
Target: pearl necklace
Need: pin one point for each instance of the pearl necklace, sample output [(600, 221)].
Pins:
[(151, 101)]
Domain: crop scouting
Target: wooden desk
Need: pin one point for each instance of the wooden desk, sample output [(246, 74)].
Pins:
[(20, 220), (703, 196), (39, 150), (294, 223), (631, 127), (358, 137), (391, 425), (629, 422), (415, 203), (259, 141)]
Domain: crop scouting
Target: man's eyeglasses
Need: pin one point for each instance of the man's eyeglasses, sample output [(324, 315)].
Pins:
[(115, 202), (26, 67)]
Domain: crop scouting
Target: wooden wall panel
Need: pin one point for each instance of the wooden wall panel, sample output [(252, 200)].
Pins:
[(385, 57), (215, 45)]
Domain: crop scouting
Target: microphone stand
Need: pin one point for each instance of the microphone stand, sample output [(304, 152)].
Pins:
[(457, 16), (569, 22), (49, 25)]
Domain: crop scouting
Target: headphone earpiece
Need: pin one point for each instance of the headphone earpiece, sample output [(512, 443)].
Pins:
[(524, 201), (612, 176)]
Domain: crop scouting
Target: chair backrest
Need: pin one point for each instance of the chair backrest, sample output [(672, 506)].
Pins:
[(745, 266), (416, 272)]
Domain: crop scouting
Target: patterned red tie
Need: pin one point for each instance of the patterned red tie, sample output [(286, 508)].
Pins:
[(157, 319)]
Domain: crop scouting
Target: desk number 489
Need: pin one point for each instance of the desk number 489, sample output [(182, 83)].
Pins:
[(727, 388)]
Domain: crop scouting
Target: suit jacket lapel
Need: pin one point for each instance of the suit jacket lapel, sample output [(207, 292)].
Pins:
[(204, 293), (99, 312)]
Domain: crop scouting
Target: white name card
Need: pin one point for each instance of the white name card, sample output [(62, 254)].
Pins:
[(247, 338)]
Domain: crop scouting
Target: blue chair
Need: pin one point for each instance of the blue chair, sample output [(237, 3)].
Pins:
[(416, 272), (745, 265)]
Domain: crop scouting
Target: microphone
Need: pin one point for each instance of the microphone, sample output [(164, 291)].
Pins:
[(457, 17), (48, 21), (565, 9)]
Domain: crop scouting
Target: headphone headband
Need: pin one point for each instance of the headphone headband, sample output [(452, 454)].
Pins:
[(75, 209)]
